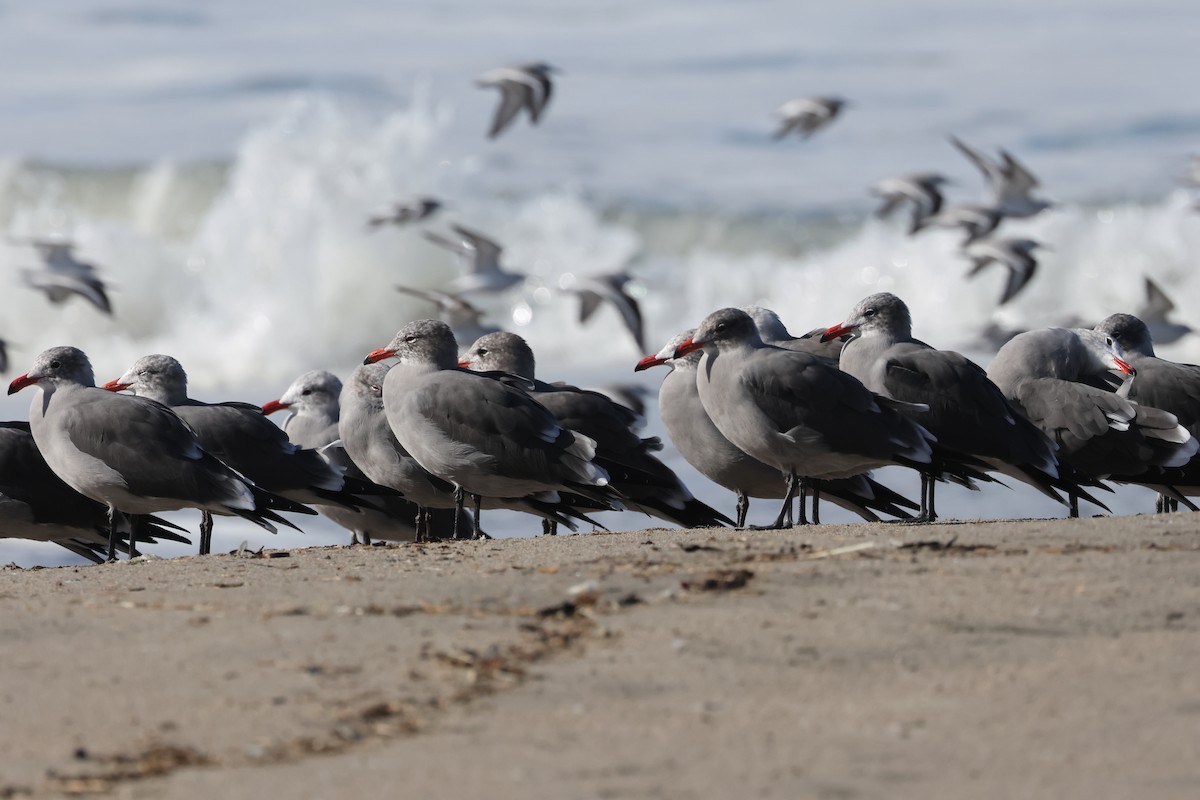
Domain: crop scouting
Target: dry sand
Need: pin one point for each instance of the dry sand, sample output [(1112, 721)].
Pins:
[(1012, 659)]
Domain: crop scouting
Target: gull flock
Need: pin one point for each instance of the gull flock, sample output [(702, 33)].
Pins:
[(426, 434)]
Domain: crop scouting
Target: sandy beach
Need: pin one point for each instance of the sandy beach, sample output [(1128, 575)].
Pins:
[(1003, 659)]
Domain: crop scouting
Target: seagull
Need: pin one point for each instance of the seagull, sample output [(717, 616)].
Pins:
[(1016, 255), (1009, 182), (482, 436), (807, 115), (1166, 385), (313, 403), (594, 290), (794, 412), (976, 221), (132, 454), (703, 446), (415, 210), (525, 86), (968, 414), (463, 317), (62, 275), (486, 274), (38, 505), (920, 189), (1154, 315), (644, 483), (241, 436), (1053, 376)]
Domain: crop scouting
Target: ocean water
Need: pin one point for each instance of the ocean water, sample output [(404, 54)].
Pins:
[(217, 163)]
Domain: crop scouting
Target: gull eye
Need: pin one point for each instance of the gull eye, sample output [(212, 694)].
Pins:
[(410, 338), (870, 312), (55, 364), (1108, 341), (306, 392), (482, 351)]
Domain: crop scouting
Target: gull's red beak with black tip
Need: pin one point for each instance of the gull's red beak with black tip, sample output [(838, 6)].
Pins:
[(1124, 366), (687, 346), (376, 356), (648, 362), (271, 406), (115, 385), (462, 362), (835, 332), (20, 383)]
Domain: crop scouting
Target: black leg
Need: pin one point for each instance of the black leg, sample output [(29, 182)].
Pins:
[(206, 526), (137, 527), (816, 504), (458, 508), (785, 512), (1074, 512), (113, 515), (479, 534), (365, 538), (743, 509), (801, 491), (932, 509), (927, 512), (549, 527)]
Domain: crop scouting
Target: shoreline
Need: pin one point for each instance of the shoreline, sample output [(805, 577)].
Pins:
[(1031, 658)]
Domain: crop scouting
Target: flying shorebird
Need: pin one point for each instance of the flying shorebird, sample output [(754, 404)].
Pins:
[(921, 190), (1154, 314), (415, 210), (1010, 182), (1015, 255), (594, 290), (807, 115), (486, 274), (525, 86), (62, 275), (976, 221)]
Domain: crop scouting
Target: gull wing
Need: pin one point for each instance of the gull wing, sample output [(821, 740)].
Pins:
[(487, 252), (1158, 305), (514, 96)]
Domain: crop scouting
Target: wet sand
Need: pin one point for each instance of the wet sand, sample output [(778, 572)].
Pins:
[(1002, 659)]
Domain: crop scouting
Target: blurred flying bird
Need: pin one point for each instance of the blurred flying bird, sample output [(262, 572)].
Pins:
[(976, 221), (594, 290), (525, 86), (486, 274), (921, 190), (415, 210), (62, 275), (1009, 182), (1154, 314), (1015, 255), (807, 115)]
